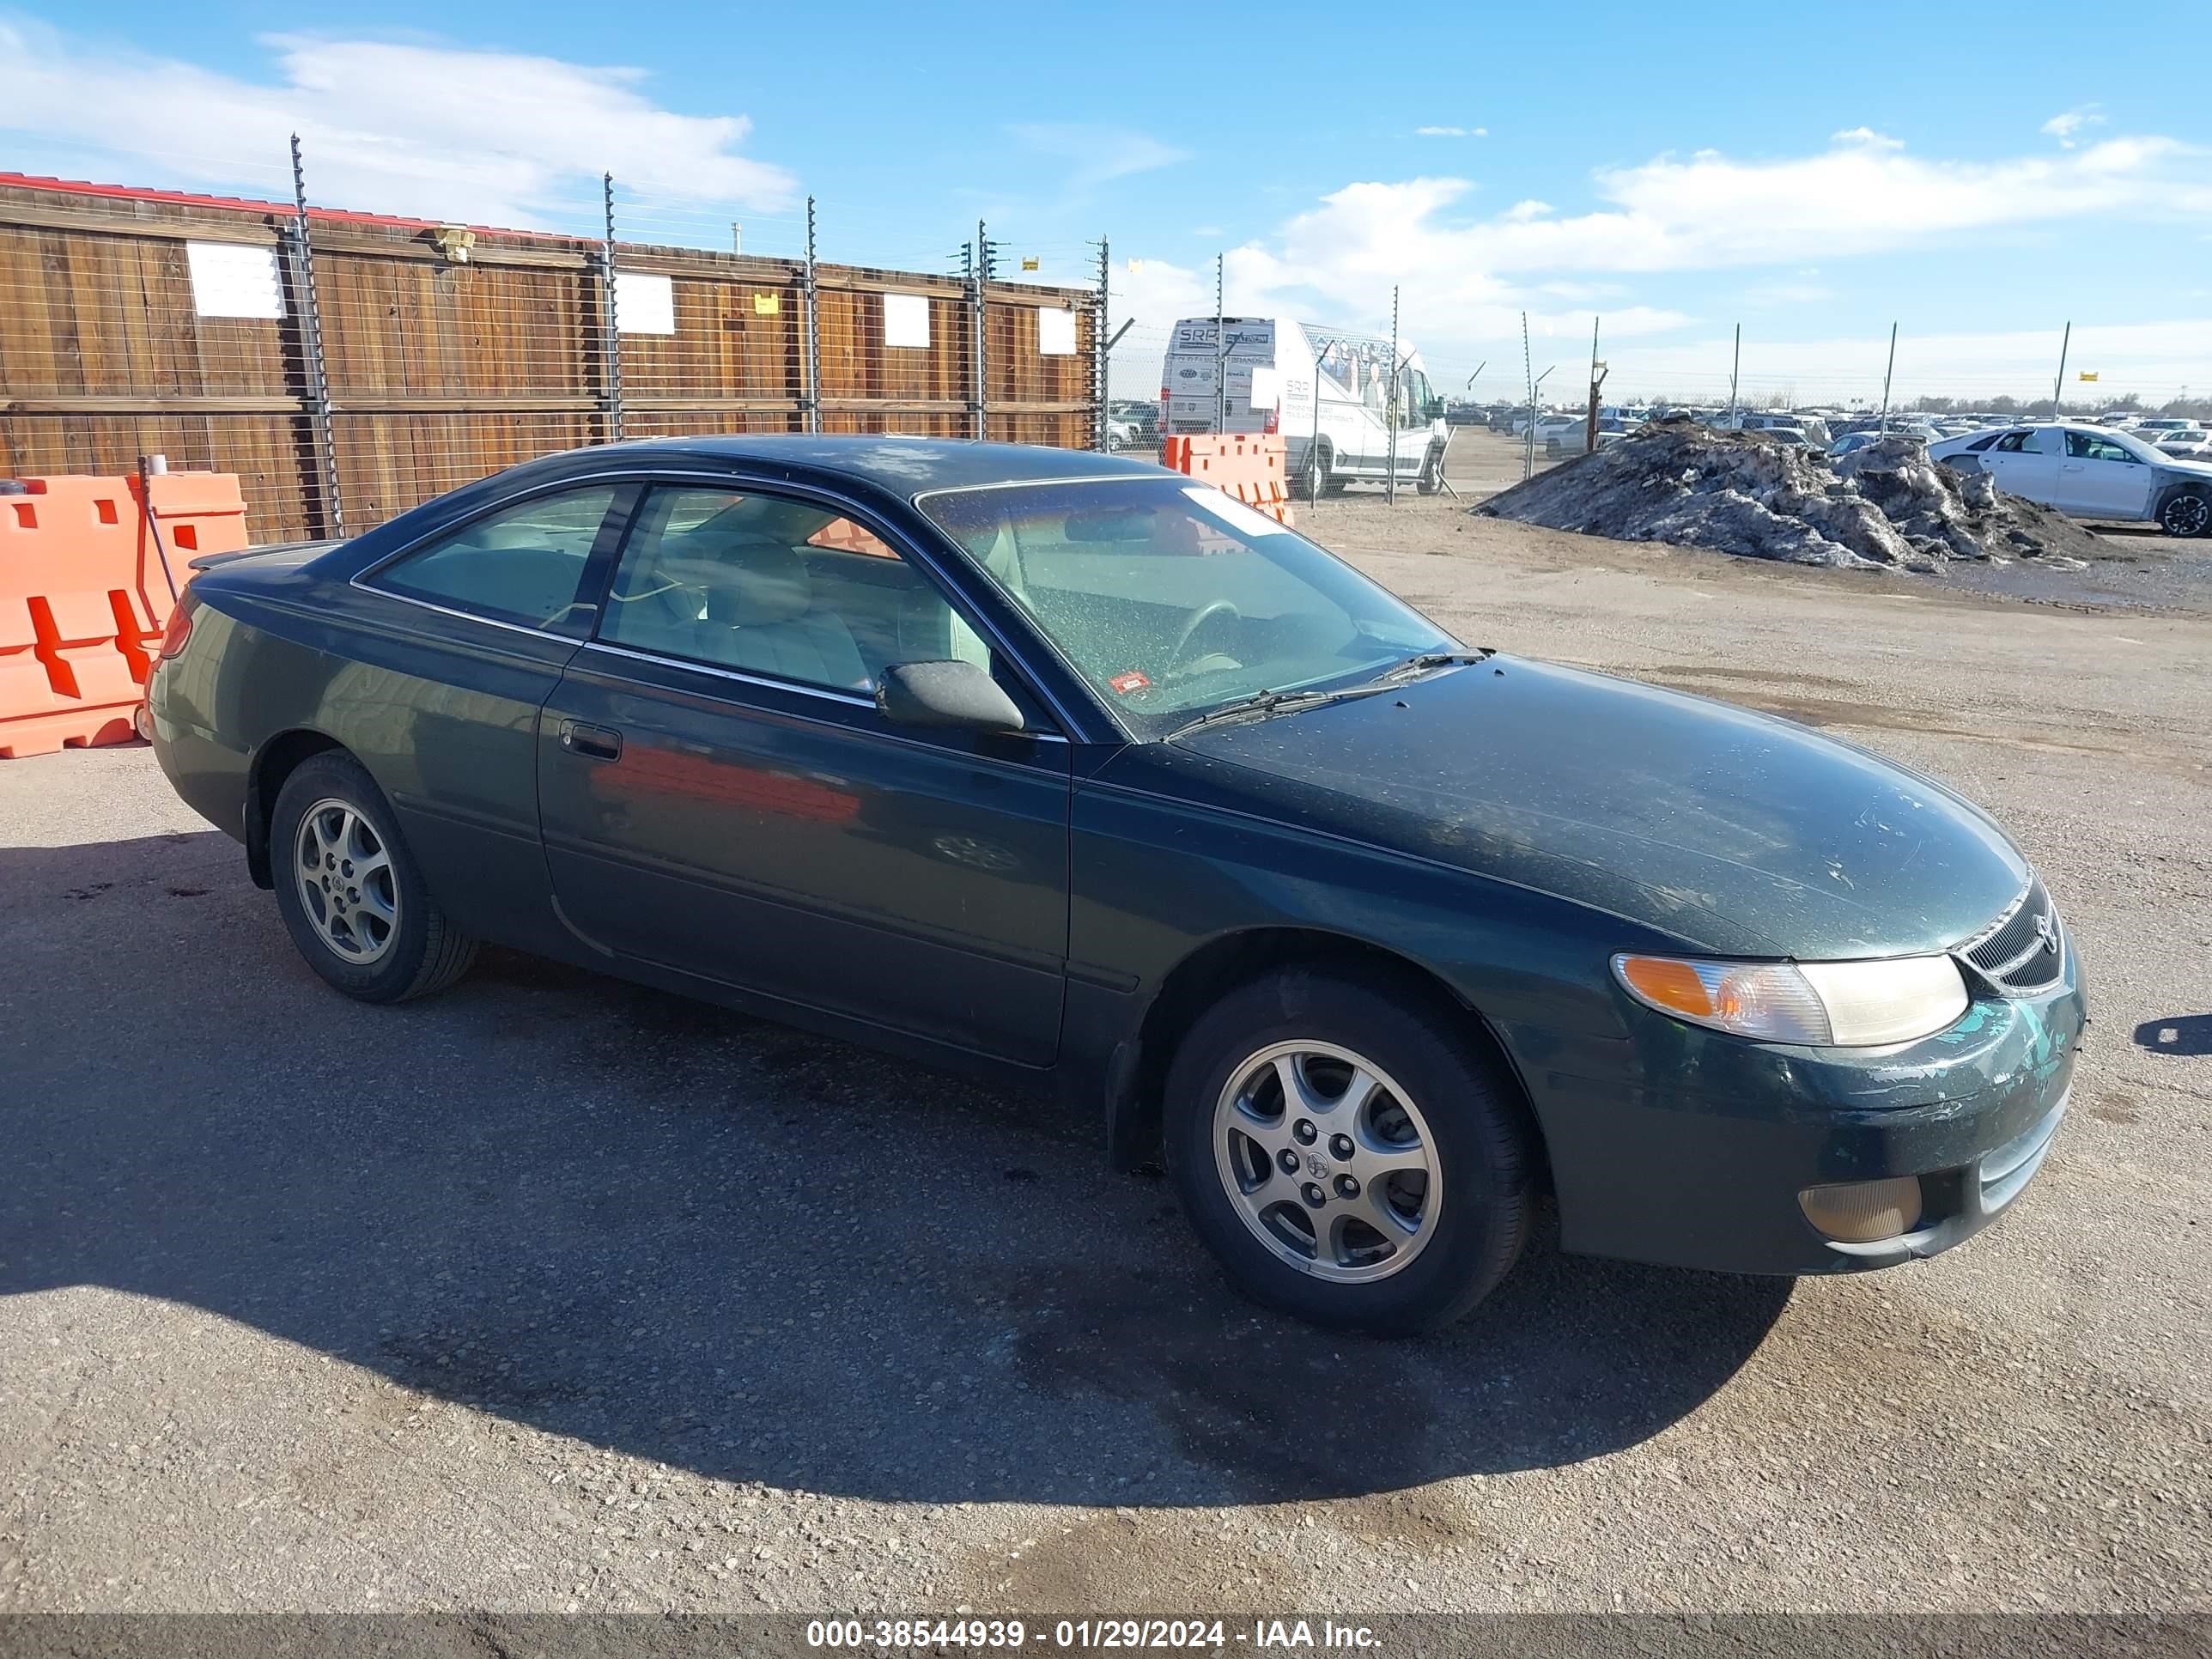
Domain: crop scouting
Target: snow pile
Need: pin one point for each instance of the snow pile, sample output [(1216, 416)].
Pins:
[(1886, 504)]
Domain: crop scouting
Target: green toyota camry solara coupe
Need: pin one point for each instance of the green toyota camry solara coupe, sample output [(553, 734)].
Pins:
[(1069, 769)]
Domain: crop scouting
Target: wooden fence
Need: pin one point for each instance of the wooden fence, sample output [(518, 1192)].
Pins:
[(446, 356)]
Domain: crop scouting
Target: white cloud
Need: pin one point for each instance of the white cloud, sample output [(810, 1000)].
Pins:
[(2067, 125), (1708, 211), (1774, 296), (434, 130), (1451, 133), (1466, 278), (1099, 153)]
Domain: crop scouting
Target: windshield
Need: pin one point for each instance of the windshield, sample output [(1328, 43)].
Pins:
[(1173, 599)]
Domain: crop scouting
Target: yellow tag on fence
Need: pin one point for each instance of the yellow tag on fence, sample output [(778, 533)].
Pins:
[(766, 305)]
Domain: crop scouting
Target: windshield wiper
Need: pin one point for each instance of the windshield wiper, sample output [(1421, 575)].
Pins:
[(1423, 662), (1260, 705)]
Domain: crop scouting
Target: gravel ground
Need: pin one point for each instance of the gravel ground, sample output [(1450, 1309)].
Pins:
[(553, 1293)]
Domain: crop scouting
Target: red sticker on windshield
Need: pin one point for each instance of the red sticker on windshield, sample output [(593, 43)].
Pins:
[(1132, 681)]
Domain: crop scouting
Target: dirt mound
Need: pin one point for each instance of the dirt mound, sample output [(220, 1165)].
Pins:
[(1886, 504)]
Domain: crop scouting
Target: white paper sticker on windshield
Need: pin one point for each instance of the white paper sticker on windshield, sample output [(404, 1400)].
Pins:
[(1220, 505)]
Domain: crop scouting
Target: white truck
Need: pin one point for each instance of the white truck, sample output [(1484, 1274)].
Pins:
[(1274, 365)]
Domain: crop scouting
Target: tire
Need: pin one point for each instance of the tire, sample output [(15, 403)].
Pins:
[(2187, 512), (388, 941), (1456, 1235), (1320, 462)]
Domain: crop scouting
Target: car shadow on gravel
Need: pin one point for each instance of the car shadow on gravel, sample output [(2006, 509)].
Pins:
[(684, 1234)]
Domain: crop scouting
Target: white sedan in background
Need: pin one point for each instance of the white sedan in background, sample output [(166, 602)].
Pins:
[(2089, 473)]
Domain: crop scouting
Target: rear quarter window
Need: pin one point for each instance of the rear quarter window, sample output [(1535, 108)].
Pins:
[(522, 565)]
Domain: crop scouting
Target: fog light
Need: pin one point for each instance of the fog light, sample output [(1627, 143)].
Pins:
[(1863, 1211)]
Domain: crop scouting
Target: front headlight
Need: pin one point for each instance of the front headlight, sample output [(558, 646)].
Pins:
[(1846, 1004)]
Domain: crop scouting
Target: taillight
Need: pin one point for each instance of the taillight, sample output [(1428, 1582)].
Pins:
[(1273, 422), (179, 630)]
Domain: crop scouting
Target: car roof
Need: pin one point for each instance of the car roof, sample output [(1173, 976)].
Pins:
[(905, 466)]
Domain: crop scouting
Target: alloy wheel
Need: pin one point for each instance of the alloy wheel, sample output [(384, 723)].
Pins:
[(2186, 515), (1326, 1161), (347, 884)]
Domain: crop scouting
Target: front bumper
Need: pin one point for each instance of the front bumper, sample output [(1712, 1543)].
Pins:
[(1693, 1154)]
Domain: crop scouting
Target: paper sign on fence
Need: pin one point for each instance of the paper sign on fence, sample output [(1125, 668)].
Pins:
[(232, 279), (906, 319), (644, 303), (1055, 332)]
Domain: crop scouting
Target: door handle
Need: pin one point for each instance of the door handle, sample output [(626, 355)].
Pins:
[(595, 742)]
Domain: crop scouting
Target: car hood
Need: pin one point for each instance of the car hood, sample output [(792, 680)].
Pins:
[(1736, 832)]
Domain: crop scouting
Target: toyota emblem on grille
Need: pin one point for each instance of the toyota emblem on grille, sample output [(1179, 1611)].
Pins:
[(2047, 929)]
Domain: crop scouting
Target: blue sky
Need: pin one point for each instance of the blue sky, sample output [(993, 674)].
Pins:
[(1812, 173)]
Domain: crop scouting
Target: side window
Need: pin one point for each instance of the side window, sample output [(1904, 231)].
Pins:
[(522, 564), (2038, 442), (774, 586), (1414, 395), (2088, 446)]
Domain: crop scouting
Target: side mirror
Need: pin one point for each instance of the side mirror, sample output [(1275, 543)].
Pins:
[(947, 696)]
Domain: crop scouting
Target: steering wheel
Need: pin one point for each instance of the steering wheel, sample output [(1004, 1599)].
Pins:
[(1206, 613)]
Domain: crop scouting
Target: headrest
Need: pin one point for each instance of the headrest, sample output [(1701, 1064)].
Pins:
[(755, 583)]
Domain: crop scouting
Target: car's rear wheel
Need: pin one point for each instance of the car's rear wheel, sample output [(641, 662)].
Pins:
[(2188, 513), (350, 892), (1348, 1155)]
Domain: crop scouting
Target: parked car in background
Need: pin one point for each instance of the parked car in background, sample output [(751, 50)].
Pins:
[(2187, 439), (1553, 431), (1072, 772), (1132, 423), (1611, 429), (2090, 472), (1859, 439), (2189, 446)]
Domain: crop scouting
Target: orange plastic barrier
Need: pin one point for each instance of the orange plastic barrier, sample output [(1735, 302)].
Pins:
[(90, 569), (1248, 467)]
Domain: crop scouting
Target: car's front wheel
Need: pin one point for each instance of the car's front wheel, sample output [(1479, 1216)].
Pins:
[(1349, 1157), (349, 890), (2187, 514)]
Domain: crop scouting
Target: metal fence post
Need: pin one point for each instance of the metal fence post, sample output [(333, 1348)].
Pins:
[(1100, 370), (1220, 353), (319, 377), (812, 300), (611, 328), (981, 336), (1390, 485)]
